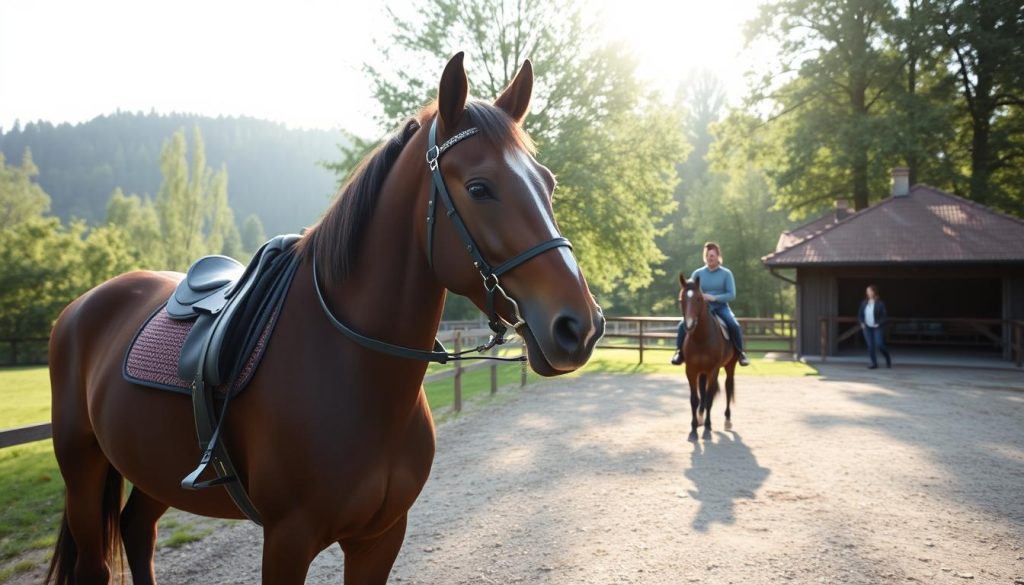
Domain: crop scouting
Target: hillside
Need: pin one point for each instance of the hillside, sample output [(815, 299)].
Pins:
[(272, 170)]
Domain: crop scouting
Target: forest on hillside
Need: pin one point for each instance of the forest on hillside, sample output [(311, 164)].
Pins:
[(274, 171)]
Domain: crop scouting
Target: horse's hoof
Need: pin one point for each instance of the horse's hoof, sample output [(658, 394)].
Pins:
[(707, 434), (693, 437), (728, 425)]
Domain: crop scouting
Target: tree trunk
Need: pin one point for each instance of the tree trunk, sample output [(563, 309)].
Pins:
[(983, 110), (858, 147), (911, 148)]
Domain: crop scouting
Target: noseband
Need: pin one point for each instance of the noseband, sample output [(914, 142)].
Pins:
[(490, 274)]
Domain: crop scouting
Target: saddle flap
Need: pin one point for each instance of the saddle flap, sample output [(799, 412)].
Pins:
[(212, 272), (722, 327)]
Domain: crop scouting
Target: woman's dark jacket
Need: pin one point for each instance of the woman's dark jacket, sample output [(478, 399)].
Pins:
[(880, 314)]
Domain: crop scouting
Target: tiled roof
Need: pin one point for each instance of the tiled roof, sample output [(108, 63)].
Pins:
[(926, 226), (790, 237)]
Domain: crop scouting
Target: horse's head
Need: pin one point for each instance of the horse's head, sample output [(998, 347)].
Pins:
[(492, 235), (691, 300)]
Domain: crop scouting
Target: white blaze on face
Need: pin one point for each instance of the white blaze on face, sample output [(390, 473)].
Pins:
[(525, 167)]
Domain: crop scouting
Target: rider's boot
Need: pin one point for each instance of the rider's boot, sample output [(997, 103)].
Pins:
[(677, 357)]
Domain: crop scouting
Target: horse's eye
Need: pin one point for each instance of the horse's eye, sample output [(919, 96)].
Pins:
[(479, 191)]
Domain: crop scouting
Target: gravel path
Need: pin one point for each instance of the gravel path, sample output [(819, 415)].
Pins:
[(892, 476)]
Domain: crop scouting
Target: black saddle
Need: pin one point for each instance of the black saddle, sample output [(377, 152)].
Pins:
[(231, 305)]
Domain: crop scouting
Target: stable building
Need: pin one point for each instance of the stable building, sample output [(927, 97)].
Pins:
[(951, 273)]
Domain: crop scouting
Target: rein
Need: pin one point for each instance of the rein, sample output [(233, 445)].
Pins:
[(489, 274)]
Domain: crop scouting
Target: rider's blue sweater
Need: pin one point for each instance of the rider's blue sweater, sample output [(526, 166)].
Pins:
[(718, 283)]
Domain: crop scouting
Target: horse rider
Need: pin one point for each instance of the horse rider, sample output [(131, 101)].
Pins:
[(718, 287)]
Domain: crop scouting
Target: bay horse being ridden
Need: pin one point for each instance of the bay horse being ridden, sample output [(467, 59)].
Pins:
[(332, 440), (707, 352)]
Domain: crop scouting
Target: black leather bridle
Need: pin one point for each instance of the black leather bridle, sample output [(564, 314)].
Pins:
[(490, 274)]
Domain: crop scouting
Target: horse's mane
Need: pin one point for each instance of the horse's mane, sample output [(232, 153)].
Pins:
[(335, 239)]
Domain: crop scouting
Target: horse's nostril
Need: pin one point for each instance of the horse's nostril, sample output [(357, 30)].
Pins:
[(567, 332)]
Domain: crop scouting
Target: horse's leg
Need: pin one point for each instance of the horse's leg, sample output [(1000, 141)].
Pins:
[(288, 549), (691, 377), (368, 562), (88, 542), (138, 531), (730, 392), (709, 398), (92, 506), (702, 387)]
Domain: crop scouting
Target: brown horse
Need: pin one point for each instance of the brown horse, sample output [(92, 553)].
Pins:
[(333, 441), (707, 351)]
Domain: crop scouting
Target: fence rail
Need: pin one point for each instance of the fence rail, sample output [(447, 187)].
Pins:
[(23, 351), (1004, 334), (459, 337), (651, 333)]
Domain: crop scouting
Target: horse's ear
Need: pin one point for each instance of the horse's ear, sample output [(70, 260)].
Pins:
[(515, 100), (696, 281), (682, 280), (452, 94)]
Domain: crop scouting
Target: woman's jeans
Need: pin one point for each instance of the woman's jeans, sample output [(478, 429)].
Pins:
[(876, 342), (723, 311)]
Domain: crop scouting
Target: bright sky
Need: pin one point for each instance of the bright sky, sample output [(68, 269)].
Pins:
[(297, 62)]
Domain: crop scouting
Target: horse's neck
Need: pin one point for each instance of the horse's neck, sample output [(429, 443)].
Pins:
[(391, 294), (705, 324)]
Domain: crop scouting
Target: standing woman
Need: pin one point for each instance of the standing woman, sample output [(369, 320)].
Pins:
[(872, 317)]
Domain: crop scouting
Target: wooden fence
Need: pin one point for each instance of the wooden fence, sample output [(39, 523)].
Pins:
[(1003, 334), (30, 351), (458, 339), (659, 333)]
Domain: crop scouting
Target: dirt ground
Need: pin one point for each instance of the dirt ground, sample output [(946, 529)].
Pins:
[(908, 475)]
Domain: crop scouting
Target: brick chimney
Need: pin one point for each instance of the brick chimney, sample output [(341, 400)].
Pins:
[(842, 210), (900, 181)]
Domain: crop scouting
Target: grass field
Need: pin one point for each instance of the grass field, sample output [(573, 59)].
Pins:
[(31, 489)]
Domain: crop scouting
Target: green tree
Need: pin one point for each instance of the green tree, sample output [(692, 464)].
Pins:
[(700, 101), (920, 109), (192, 203), (138, 219), (612, 144), (827, 94), (20, 197), (222, 233), (44, 265), (983, 40), (253, 235)]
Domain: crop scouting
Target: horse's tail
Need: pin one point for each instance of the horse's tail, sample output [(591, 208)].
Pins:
[(65, 553)]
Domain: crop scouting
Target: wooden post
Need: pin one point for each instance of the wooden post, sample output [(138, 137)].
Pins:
[(1019, 328), (522, 364), (458, 373), (641, 338), (494, 372), (824, 339)]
